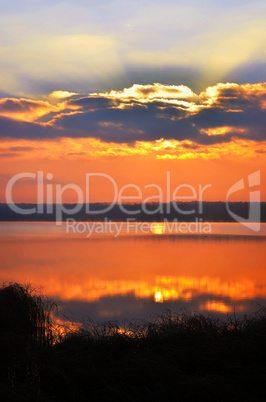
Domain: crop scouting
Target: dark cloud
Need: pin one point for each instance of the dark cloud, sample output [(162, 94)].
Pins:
[(136, 123), (252, 123), (7, 95), (135, 115), (8, 154), (21, 149), (190, 146), (90, 103), (22, 105), (237, 98), (10, 128), (248, 73)]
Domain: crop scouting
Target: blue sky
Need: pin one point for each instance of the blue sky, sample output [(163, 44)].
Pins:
[(87, 46)]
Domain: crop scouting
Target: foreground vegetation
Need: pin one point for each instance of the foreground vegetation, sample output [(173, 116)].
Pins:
[(175, 358)]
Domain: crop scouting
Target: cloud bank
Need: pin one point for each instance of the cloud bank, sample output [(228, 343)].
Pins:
[(142, 113)]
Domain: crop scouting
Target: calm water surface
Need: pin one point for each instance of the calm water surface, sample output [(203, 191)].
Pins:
[(135, 275)]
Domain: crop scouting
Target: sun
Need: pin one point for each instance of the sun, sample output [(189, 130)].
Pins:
[(157, 228)]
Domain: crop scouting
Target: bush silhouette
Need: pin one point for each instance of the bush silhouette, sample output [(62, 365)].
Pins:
[(175, 357)]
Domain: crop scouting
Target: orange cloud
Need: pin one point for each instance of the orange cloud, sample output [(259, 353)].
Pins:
[(25, 109), (222, 130), (62, 94), (93, 149), (222, 95)]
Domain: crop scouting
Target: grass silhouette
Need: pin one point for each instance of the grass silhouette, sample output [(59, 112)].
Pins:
[(174, 358)]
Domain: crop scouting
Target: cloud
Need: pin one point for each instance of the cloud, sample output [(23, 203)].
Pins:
[(252, 72), (236, 97), (21, 149), (8, 154), (87, 149), (62, 94), (156, 91), (143, 113), (25, 109)]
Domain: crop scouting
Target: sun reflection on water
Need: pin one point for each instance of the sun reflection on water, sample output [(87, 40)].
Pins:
[(157, 228)]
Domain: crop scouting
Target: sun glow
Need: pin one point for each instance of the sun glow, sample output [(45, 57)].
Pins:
[(157, 228), (220, 307), (158, 297)]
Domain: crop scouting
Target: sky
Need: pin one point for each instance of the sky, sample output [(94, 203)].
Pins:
[(133, 90)]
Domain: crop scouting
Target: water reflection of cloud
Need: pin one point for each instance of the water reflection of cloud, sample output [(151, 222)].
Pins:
[(128, 308), (136, 276)]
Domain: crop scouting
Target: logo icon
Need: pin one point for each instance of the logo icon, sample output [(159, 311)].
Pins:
[(253, 220)]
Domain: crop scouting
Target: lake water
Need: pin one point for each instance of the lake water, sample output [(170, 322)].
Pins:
[(138, 274)]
